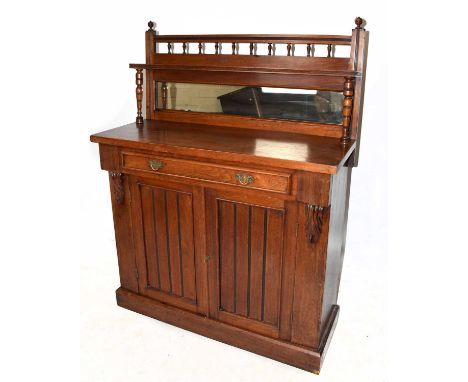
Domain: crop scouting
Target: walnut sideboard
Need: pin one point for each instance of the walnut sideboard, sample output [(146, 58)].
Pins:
[(230, 197)]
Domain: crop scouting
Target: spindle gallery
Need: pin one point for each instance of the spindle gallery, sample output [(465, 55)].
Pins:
[(230, 191)]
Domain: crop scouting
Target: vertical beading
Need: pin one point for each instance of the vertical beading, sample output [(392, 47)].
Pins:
[(164, 95), (348, 94), (139, 95)]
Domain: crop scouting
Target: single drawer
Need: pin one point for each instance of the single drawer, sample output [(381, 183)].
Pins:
[(265, 180)]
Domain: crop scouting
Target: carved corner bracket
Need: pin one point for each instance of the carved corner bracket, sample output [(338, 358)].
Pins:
[(314, 221), (117, 186)]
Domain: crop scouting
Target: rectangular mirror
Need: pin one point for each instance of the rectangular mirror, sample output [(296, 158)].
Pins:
[(260, 102)]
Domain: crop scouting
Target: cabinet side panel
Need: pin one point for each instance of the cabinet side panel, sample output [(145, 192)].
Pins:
[(311, 254), (288, 264), (123, 235), (336, 238)]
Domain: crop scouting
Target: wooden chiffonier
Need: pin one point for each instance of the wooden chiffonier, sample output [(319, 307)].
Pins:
[(230, 198)]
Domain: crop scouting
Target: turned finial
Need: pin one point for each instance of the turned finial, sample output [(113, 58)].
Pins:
[(358, 21), (150, 25)]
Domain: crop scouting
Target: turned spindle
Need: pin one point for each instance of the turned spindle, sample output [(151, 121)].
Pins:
[(169, 47), (270, 47), (309, 50), (164, 95), (289, 49), (184, 48), (251, 48), (348, 94), (216, 48), (139, 95), (200, 48), (359, 21), (329, 50)]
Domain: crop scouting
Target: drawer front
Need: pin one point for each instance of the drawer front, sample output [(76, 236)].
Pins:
[(271, 181)]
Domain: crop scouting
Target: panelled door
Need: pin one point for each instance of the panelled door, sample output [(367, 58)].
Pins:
[(251, 262), (171, 268)]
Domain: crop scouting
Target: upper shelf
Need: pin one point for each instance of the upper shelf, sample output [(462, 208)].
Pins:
[(255, 64), (283, 150)]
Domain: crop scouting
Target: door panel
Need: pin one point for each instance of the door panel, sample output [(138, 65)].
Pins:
[(246, 247), (165, 240)]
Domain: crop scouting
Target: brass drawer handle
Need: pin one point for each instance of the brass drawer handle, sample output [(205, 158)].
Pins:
[(156, 164), (245, 179)]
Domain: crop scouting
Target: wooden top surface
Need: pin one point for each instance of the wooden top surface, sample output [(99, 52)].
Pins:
[(275, 149)]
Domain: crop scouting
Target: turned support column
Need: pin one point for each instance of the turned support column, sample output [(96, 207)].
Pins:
[(348, 93), (139, 95), (164, 95)]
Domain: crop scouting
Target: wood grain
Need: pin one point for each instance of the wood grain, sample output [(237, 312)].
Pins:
[(265, 148), (257, 38), (243, 122), (309, 276), (272, 266), (242, 257), (226, 226), (249, 63), (272, 181), (149, 227), (186, 229), (257, 243)]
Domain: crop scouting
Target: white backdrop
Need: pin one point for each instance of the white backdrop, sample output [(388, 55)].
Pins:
[(118, 345), (64, 75)]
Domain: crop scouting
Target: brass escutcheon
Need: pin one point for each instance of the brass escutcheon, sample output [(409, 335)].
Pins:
[(244, 178), (155, 164)]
